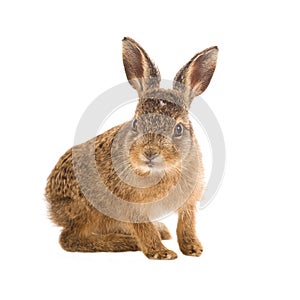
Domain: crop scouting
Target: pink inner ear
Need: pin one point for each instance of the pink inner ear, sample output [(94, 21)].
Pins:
[(133, 63), (195, 73), (201, 73)]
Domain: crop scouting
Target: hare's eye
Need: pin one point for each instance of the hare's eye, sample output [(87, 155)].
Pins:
[(134, 125), (178, 130)]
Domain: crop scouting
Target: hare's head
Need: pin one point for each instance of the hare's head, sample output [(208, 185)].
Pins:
[(161, 134)]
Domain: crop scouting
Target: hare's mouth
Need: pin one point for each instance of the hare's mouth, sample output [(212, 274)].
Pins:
[(153, 161), (147, 164), (150, 164)]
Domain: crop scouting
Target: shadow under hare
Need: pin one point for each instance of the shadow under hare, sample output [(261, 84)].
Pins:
[(108, 193)]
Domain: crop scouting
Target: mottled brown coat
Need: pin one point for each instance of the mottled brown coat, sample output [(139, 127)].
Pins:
[(157, 140)]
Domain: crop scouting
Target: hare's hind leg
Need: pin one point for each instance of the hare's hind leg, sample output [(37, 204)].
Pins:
[(77, 241), (163, 231)]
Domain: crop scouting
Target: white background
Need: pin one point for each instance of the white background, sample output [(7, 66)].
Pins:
[(58, 56)]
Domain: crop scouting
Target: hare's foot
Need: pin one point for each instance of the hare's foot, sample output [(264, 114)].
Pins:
[(112, 242), (163, 231), (164, 253), (149, 241), (191, 248)]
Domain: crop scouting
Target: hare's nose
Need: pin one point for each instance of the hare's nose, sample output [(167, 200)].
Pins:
[(150, 155)]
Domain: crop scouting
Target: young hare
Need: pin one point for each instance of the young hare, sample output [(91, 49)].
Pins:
[(108, 192)]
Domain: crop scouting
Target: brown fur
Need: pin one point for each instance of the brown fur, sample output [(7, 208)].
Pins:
[(85, 228)]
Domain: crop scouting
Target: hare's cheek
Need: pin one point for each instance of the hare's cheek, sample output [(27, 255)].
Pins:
[(171, 155), (134, 157), (172, 160)]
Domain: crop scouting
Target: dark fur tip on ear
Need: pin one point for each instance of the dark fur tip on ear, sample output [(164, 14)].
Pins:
[(213, 47), (211, 53), (126, 38)]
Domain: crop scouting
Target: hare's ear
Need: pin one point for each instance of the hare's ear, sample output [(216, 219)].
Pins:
[(193, 78), (141, 72)]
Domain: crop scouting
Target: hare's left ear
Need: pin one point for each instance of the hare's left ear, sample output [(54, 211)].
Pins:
[(193, 78), (141, 72)]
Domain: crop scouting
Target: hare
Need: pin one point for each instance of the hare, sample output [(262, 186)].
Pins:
[(152, 164)]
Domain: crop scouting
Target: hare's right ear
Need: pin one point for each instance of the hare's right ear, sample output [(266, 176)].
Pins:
[(141, 72)]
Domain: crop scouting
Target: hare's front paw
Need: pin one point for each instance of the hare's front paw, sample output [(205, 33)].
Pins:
[(191, 249), (161, 254)]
